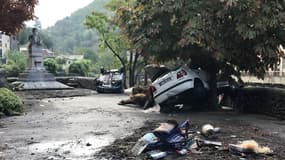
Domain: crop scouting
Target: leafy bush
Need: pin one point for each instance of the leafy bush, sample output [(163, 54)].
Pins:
[(50, 65), (80, 67), (9, 102), (16, 63)]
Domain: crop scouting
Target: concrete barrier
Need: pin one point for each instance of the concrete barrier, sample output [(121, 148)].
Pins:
[(79, 82)]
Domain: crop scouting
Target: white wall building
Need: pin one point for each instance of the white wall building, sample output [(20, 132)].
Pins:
[(4, 45)]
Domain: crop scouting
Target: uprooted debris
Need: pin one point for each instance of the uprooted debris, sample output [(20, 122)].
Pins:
[(196, 146), (249, 147), (140, 96)]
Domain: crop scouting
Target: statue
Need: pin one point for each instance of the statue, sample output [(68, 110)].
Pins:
[(34, 39), (35, 51), (36, 77)]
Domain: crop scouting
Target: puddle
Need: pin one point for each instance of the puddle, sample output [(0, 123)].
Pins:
[(77, 148)]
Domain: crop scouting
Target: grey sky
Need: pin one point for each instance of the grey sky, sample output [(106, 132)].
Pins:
[(50, 11)]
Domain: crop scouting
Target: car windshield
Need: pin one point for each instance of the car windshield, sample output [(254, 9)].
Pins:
[(110, 76)]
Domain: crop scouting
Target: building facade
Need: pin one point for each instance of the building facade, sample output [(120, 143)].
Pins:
[(7, 43), (4, 45)]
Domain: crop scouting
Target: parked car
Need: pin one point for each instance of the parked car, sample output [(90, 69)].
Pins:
[(110, 81), (180, 86)]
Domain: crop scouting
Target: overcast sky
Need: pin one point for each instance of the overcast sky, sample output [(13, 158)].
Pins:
[(50, 11)]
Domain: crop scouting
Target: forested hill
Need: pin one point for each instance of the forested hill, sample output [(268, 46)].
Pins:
[(70, 34)]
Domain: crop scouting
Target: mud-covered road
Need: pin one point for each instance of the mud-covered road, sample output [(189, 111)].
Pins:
[(77, 127)]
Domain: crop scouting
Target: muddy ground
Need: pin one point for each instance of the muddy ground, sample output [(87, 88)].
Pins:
[(84, 125), (240, 131)]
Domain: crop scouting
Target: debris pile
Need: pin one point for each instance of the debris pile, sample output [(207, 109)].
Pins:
[(141, 96), (171, 138)]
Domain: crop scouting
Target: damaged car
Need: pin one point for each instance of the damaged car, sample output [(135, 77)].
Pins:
[(111, 81), (180, 86)]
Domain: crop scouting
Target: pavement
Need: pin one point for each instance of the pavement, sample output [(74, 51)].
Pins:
[(77, 127)]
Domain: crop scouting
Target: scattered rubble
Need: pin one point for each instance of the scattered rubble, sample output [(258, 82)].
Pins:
[(197, 145), (249, 147)]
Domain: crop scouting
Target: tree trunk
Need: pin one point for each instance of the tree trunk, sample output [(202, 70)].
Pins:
[(213, 99), (134, 67), (120, 59), (145, 74), (130, 69)]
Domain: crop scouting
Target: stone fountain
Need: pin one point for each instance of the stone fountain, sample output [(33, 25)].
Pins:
[(36, 77)]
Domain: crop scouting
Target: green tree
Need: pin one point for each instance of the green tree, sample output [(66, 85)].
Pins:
[(46, 40), (232, 35), (114, 40), (70, 33), (80, 67), (25, 32), (14, 13), (110, 37), (60, 61), (88, 54), (23, 35), (50, 65)]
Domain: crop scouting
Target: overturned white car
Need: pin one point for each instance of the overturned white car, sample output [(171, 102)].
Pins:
[(180, 86)]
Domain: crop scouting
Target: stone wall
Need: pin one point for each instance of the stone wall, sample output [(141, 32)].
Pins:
[(261, 100), (78, 82), (87, 82)]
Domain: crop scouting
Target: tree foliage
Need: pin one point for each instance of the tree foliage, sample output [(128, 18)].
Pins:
[(14, 12), (50, 65), (88, 54), (218, 35), (112, 38), (16, 63), (25, 32), (70, 33), (243, 35), (80, 67)]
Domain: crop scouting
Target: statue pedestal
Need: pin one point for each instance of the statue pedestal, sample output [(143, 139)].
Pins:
[(36, 77)]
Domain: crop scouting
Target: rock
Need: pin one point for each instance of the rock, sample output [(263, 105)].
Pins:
[(88, 144)]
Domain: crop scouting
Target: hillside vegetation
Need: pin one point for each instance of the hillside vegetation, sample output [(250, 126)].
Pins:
[(70, 35)]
